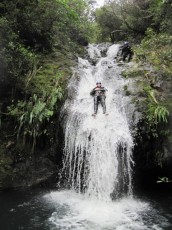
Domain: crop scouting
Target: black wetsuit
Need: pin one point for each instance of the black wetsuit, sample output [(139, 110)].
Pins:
[(126, 51), (99, 96)]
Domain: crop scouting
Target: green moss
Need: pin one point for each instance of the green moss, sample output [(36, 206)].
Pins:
[(52, 71), (134, 72), (168, 104), (156, 50), (124, 73), (127, 92)]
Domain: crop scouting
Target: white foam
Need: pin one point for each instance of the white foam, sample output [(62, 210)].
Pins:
[(80, 212)]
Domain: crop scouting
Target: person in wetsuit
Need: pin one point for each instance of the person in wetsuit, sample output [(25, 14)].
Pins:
[(99, 96), (125, 51)]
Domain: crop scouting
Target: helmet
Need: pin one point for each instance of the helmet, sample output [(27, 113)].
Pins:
[(98, 82), (126, 43)]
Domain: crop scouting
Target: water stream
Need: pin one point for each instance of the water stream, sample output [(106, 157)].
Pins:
[(98, 150)]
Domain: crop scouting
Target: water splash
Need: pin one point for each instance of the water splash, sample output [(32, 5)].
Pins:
[(98, 151), (74, 211)]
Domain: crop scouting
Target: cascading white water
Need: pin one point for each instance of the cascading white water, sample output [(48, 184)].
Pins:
[(98, 156), (98, 151)]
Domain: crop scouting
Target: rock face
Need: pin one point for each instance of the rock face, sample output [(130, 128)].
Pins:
[(153, 151), (20, 168)]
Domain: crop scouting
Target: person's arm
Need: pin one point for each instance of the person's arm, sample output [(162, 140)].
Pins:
[(92, 92), (104, 89)]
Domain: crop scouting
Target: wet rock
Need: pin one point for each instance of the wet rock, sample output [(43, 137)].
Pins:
[(152, 155)]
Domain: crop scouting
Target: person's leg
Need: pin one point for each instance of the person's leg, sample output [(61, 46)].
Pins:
[(95, 104), (102, 101), (124, 56), (129, 56)]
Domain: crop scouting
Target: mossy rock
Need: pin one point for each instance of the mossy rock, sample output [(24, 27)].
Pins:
[(133, 73), (54, 69)]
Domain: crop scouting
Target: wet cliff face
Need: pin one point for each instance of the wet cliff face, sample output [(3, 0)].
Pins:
[(21, 168), (153, 147)]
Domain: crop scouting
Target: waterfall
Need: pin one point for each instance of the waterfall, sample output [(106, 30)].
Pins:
[(98, 150), (97, 164)]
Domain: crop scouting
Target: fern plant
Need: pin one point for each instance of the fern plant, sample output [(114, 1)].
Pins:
[(30, 116), (157, 113)]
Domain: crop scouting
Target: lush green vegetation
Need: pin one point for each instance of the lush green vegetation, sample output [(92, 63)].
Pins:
[(129, 20), (40, 41), (156, 50)]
